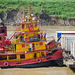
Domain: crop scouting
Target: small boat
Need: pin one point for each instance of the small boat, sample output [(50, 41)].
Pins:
[(27, 48)]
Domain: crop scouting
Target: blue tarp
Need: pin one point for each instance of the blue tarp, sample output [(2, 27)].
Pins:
[(58, 35)]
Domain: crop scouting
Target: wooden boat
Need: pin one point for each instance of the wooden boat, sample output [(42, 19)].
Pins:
[(26, 47)]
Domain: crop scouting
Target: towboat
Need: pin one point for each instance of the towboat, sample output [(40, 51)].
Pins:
[(27, 48)]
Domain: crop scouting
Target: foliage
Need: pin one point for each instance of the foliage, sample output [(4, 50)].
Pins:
[(60, 8)]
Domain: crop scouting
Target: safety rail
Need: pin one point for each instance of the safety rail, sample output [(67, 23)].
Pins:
[(13, 33)]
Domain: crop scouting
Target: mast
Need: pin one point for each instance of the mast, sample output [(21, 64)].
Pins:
[(23, 14), (29, 13)]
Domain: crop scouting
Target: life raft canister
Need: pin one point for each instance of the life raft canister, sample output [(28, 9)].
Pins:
[(38, 60), (6, 64)]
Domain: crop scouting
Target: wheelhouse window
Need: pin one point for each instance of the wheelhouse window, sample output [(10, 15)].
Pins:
[(12, 57), (22, 56), (29, 20), (26, 20), (35, 25), (3, 57)]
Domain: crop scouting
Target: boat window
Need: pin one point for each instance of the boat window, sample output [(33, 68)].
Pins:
[(36, 43), (49, 53), (34, 55), (23, 26), (26, 20), (3, 31), (29, 20), (27, 26), (26, 44), (54, 51), (41, 43), (0, 38), (22, 56), (23, 45), (42, 53), (35, 25), (3, 57), (12, 57)]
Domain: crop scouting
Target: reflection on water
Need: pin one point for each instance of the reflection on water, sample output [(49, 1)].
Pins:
[(50, 30)]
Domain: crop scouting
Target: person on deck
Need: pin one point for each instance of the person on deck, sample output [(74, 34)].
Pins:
[(7, 42), (16, 36), (41, 36), (26, 38), (34, 35), (38, 36), (42, 54), (22, 37), (45, 36)]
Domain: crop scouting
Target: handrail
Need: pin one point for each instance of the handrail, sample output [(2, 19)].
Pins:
[(13, 33), (30, 51)]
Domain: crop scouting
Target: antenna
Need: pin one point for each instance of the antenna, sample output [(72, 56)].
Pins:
[(23, 14)]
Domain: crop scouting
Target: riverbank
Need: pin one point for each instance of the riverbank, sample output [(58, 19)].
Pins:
[(60, 8)]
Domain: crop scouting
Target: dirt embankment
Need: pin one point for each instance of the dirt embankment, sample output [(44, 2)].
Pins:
[(14, 17)]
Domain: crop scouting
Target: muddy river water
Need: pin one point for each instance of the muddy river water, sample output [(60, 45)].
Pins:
[(50, 30)]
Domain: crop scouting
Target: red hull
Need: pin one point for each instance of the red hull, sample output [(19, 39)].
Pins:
[(55, 56)]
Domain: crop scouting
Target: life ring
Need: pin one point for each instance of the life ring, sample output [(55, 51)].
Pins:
[(38, 60), (31, 29), (32, 39), (6, 64)]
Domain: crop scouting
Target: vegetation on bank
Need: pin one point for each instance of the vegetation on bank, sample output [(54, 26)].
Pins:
[(60, 8)]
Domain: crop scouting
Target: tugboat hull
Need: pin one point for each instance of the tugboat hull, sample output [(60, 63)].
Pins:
[(58, 62), (42, 64)]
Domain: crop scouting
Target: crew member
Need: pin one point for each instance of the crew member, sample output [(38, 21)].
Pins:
[(38, 36), (45, 36), (41, 36), (26, 38)]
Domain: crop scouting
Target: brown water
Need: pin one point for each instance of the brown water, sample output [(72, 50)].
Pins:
[(50, 30), (38, 71)]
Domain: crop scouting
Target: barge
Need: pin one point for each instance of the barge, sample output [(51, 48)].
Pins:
[(67, 41)]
